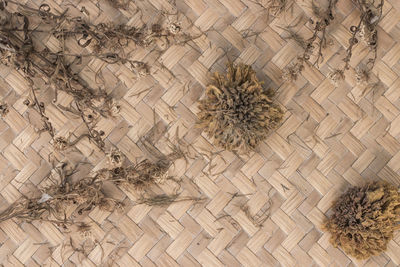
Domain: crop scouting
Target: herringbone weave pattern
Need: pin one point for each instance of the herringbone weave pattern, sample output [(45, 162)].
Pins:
[(331, 138)]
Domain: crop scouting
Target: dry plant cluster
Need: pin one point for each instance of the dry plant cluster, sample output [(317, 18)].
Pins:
[(364, 219), (57, 66), (237, 112), (370, 16), (84, 194), (104, 41)]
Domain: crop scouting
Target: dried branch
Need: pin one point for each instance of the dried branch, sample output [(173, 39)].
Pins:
[(370, 17), (316, 42)]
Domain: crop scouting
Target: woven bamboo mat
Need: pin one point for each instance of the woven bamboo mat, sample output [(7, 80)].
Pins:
[(331, 138)]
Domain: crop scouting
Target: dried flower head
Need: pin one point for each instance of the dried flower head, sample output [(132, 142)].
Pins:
[(336, 76), (60, 143), (370, 19), (237, 111), (3, 109), (140, 176), (116, 158), (364, 219), (291, 72), (362, 75)]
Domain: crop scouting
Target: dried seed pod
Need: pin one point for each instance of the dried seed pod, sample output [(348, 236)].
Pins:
[(237, 111), (116, 158), (364, 219)]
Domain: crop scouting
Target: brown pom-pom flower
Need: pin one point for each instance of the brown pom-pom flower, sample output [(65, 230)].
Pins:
[(237, 111), (364, 219)]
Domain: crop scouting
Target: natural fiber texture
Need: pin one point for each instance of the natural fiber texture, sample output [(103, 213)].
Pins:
[(237, 111), (364, 219), (331, 138)]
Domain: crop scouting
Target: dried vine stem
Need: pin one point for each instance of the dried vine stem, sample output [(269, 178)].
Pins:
[(87, 192), (47, 126), (371, 15), (324, 19)]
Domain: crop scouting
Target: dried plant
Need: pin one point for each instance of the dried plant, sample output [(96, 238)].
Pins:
[(55, 65), (165, 200), (259, 218), (85, 194), (362, 75), (316, 42), (19, 51), (336, 76), (61, 143), (370, 16), (3, 109), (47, 126), (84, 230), (145, 173), (141, 175), (364, 219), (115, 157), (237, 111)]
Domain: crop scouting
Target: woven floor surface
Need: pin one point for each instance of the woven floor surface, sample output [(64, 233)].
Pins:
[(331, 138)]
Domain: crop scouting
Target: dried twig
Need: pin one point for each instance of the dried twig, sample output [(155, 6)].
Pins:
[(370, 16), (324, 19), (3, 109)]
